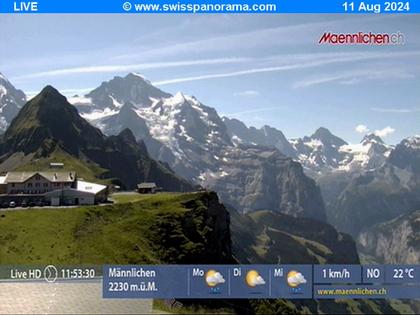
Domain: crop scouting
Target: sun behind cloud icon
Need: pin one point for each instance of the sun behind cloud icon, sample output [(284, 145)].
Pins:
[(295, 278), (214, 278), (253, 278)]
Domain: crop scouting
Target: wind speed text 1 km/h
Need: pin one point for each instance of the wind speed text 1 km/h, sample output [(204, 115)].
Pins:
[(388, 6)]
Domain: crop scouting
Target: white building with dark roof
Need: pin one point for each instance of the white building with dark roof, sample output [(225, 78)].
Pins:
[(57, 188)]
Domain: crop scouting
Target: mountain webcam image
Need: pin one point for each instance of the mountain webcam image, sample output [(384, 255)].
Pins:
[(209, 163)]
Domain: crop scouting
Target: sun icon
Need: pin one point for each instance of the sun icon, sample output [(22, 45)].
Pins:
[(253, 279)]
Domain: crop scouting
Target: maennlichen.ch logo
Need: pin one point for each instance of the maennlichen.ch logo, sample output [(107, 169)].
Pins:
[(362, 38)]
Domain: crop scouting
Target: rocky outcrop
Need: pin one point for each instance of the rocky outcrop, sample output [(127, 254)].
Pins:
[(198, 235), (357, 201), (393, 242), (265, 136), (374, 197), (406, 155), (255, 178)]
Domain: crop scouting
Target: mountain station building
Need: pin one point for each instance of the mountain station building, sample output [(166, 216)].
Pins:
[(147, 188), (55, 188)]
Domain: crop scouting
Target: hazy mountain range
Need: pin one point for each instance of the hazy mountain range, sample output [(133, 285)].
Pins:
[(321, 176)]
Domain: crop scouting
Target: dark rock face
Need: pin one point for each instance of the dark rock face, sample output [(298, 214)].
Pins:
[(132, 88), (255, 178), (393, 242), (368, 198), (200, 235), (406, 155), (11, 100), (49, 118), (321, 151), (375, 196), (265, 136)]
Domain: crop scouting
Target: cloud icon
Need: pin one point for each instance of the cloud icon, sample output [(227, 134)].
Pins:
[(214, 278), (253, 278), (295, 278)]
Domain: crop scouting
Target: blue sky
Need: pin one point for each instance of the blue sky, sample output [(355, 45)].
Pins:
[(262, 69)]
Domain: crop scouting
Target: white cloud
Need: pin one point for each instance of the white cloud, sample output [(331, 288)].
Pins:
[(234, 40), (384, 132), (395, 110), (361, 129), (248, 93), (253, 111), (305, 61), (356, 76), (66, 92), (131, 67), (258, 280)]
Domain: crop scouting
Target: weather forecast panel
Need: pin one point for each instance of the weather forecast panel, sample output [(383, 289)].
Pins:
[(262, 281)]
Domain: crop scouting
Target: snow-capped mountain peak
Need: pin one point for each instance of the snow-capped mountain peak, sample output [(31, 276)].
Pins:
[(325, 152), (3, 78), (111, 95), (412, 142), (11, 100), (370, 153), (174, 127), (177, 99), (138, 75), (372, 138)]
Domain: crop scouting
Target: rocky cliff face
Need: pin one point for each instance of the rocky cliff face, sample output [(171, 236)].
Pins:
[(407, 155), (254, 178), (265, 136), (199, 235), (112, 95), (393, 242), (360, 200), (373, 197)]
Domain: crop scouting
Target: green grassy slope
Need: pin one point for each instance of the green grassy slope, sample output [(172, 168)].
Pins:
[(123, 233), (87, 170)]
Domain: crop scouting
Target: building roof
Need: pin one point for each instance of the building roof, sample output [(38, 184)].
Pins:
[(21, 177), (89, 187), (68, 192), (146, 185)]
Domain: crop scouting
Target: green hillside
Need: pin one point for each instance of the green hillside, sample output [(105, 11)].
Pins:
[(84, 169), (122, 233)]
